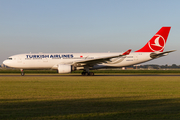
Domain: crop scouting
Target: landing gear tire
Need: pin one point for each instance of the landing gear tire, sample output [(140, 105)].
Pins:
[(22, 74), (91, 74), (83, 73), (87, 74)]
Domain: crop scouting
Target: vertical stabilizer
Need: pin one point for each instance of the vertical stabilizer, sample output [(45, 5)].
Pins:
[(157, 42)]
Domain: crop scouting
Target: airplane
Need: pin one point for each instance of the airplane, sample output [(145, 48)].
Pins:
[(68, 62)]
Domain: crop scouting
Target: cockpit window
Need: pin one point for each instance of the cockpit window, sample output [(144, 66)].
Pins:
[(9, 58)]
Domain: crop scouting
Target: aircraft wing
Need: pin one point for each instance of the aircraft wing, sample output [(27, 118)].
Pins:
[(99, 60), (156, 55)]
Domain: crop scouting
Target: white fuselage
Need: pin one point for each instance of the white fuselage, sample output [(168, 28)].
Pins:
[(51, 60)]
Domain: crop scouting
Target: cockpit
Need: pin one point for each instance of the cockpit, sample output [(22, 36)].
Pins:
[(9, 58)]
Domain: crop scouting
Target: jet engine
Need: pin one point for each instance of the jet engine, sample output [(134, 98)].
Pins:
[(65, 68)]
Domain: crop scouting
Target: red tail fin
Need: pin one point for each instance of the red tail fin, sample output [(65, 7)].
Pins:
[(157, 42)]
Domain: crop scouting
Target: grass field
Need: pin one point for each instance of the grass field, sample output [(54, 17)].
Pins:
[(90, 98)]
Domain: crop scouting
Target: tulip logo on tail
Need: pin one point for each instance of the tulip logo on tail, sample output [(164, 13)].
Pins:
[(157, 43)]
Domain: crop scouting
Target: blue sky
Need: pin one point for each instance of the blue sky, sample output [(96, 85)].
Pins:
[(87, 26)]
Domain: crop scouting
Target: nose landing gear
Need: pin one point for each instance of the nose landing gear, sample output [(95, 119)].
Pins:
[(22, 72)]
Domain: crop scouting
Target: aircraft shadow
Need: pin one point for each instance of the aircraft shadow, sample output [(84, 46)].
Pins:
[(91, 109)]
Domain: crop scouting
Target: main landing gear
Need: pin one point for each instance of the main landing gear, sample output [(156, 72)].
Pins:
[(22, 72), (87, 73)]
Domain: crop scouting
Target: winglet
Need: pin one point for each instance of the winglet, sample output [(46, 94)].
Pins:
[(127, 52)]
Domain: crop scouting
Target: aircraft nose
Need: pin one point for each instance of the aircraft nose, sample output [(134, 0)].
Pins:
[(5, 62)]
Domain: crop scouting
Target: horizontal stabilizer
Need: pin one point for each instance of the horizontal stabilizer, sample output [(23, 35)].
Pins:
[(157, 55)]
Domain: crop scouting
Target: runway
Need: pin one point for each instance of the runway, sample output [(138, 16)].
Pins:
[(133, 75)]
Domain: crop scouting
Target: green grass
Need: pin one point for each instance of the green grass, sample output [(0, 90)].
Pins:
[(90, 98)]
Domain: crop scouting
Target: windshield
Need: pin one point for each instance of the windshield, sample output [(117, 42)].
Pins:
[(9, 58)]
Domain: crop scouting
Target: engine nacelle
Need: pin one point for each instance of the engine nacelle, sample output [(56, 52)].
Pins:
[(65, 68)]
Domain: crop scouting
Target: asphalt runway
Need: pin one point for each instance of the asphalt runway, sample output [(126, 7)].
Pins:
[(85, 76)]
